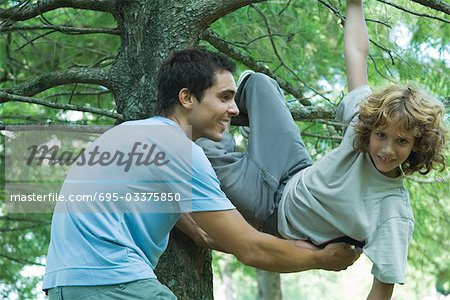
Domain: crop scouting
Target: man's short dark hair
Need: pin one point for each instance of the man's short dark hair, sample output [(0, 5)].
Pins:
[(193, 69)]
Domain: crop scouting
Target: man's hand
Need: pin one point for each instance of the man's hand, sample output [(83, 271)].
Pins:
[(339, 256)]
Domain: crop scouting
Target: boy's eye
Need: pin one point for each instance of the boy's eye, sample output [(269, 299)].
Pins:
[(402, 141), (380, 134)]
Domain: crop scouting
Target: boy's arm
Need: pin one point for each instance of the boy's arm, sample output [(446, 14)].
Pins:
[(233, 234), (380, 290), (356, 45)]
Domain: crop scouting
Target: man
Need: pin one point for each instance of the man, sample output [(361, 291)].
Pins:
[(109, 250)]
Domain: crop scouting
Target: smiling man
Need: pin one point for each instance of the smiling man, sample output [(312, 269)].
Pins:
[(112, 254)]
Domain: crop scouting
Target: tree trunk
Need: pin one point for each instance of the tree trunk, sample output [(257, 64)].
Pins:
[(186, 269), (269, 286), (149, 30)]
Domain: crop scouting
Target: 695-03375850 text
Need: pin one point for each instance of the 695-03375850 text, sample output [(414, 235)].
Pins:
[(97, 196)]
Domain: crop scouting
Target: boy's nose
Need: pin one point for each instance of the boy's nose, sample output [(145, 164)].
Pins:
[(388, 147)]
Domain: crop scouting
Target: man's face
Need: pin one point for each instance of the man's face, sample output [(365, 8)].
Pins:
[(389, 147), (211, 116)]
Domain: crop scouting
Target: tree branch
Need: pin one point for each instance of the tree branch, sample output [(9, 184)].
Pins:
[(435, 4), (342, 19), (322, 137), (30, 10), (20, 228), (74, 75), (85, 93), (412, 12), (6, 97), (60, 127), (298, 112), (21, 261), (210, 11), (212, 38), (18, 219), (280, 59), (442, 180), (62, 29)]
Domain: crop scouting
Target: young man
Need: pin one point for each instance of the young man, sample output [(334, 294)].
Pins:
[(112, 250)]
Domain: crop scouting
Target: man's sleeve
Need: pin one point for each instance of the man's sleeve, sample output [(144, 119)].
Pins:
[(206, 192)]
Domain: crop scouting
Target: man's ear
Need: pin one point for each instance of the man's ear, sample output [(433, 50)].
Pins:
[(186, 98)]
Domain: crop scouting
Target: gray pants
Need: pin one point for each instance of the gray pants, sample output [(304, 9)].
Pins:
[(275, 151), (145, 289)]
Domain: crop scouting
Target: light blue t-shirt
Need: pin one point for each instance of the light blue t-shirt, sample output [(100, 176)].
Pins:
[(110, 242)]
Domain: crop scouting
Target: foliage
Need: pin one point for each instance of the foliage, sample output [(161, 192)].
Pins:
[(298, 41)]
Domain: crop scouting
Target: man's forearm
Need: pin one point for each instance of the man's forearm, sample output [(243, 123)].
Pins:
[(266, 252), (284, 256)]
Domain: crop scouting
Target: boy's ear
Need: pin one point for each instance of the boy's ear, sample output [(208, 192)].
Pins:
[(186, 98)]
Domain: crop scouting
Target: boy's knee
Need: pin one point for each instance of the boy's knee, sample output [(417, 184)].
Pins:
[(223, 147), (260, 78)]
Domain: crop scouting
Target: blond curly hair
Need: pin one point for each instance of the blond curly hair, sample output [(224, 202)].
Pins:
[(415, 111)]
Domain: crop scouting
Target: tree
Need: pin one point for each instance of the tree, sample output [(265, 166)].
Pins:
[(108, 72)]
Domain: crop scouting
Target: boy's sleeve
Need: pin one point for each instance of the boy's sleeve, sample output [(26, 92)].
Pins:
[(349, 106), (387, 248)]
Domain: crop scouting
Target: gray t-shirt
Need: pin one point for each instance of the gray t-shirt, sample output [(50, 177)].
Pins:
[(343, 194)]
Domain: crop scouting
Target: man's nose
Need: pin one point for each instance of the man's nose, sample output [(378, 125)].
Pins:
[(233, 109)]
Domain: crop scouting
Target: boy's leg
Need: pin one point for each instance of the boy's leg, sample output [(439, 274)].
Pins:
[(242, 180), (275, 151), (274, 139)]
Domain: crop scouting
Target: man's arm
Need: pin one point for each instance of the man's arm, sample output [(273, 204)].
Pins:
[(356, 45), (189, 227), (380, 290), (233, 234)]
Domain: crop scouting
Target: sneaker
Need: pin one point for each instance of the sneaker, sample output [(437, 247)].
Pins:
[(244, 130), (244, 75)]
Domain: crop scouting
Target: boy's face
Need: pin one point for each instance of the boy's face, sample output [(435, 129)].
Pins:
[(389, 147), (212, 115)]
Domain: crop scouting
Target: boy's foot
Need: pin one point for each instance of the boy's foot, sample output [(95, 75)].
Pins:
[(244, 130)]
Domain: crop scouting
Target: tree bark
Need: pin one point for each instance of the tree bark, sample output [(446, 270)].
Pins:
[(186, 269)]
